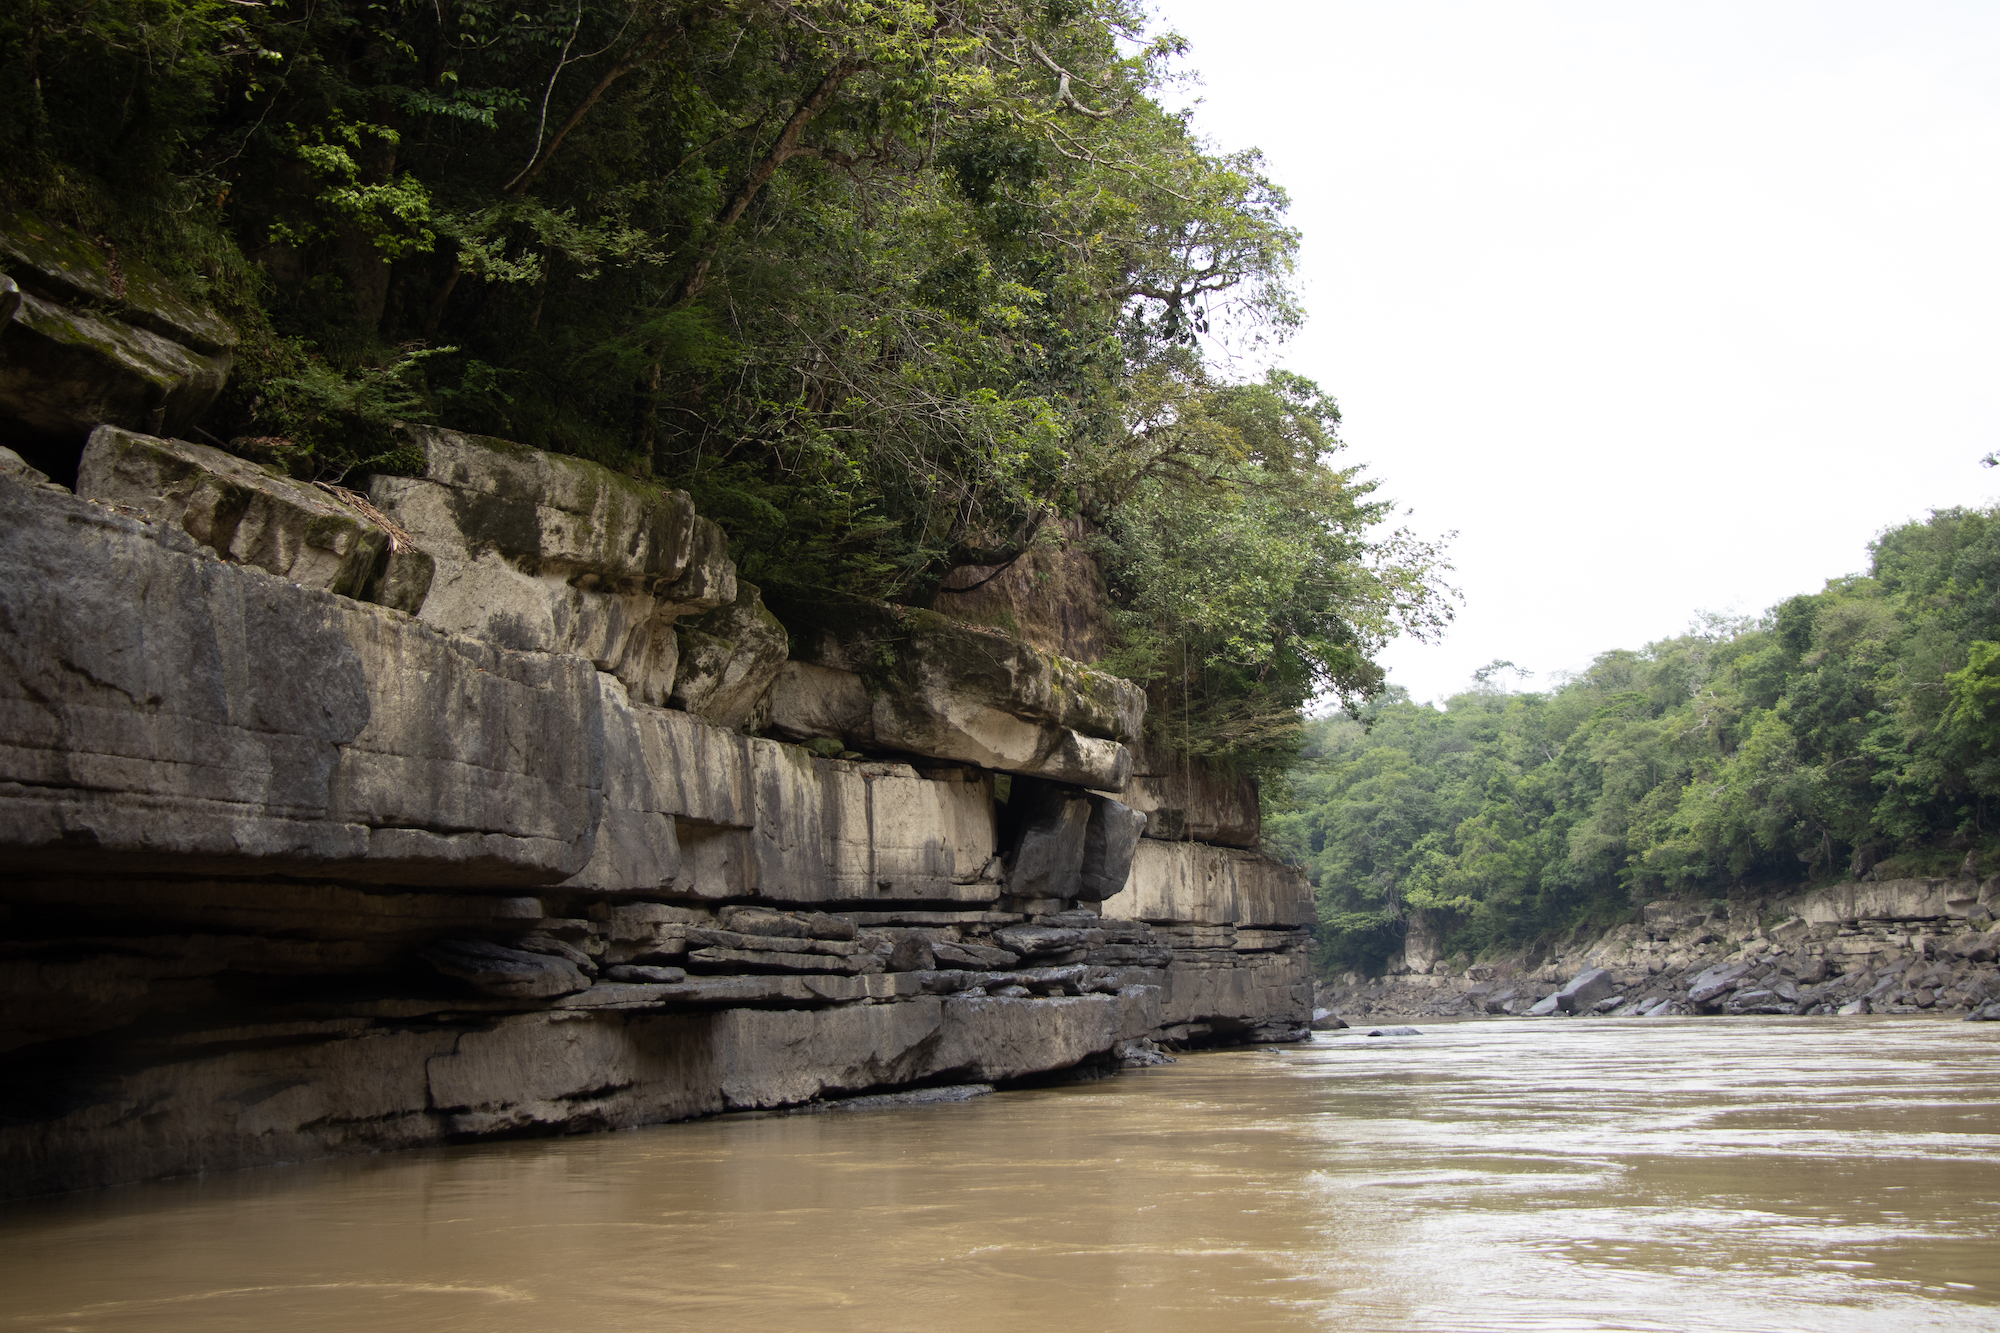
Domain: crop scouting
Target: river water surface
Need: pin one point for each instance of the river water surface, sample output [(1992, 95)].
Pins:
[(1632, 1174)]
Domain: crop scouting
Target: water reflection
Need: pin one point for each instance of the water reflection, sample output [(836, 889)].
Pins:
[(1708, 1174)]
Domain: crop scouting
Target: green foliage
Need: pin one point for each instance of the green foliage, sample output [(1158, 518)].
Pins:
[(887, 285), (389, 215), (1247, 567), (1844, 727)]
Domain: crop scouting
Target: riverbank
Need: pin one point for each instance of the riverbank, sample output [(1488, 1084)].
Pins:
[(1893, 947), (498, 805)]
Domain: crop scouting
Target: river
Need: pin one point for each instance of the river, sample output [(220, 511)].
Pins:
[(1727, 1174)]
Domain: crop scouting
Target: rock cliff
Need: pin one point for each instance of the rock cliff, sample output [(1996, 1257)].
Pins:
[(490, 801), (1890, 946)]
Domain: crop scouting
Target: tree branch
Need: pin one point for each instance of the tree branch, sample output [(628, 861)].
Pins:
[(1064, 97), (782, 150), (645, 49)]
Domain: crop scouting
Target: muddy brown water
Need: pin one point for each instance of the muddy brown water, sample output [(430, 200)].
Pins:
[(1701, 1174)]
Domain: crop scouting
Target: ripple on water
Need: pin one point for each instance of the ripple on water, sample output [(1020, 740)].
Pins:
[(1641, 1174)]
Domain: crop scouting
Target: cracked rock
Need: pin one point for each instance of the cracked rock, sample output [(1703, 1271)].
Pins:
[(498, 970)]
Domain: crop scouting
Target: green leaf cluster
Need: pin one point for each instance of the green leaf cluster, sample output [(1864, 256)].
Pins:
[(1852, 730), (887, 285)]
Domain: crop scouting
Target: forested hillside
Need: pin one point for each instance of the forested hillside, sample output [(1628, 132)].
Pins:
[(888, 285), (1848, 731)]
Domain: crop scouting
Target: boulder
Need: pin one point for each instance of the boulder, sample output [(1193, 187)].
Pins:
[(1788, 933), (1985, 1013), (1713, 983), (1054, 822), (311, 535), (1544, 1007), (541, 553), (939, 688), (1760, 1001), (1109, 842), (972, 954), (1976, 948), (1396, 1032), (912, 954), (93, 337), (1035, 943), (17, 468), (1860, 1005), (1324, 1021), (727, 659)]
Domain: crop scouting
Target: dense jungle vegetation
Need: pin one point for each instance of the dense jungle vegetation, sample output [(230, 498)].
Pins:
[(886, 284), (1852, 730)]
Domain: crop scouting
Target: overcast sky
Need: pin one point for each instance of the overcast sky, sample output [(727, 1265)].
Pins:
[(1664, 307)]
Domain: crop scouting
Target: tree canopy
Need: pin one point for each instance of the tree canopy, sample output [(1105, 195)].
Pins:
[(886, 284), (1852, 729)]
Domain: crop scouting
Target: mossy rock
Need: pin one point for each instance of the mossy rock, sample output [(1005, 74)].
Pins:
[(63, 264)]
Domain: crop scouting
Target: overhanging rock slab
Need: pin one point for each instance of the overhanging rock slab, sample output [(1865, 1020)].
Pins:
[(941, 689), (254, 517)]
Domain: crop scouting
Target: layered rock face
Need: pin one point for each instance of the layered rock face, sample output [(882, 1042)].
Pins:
[(87, 339), (338, 822), (1893, 946), (905, 679)]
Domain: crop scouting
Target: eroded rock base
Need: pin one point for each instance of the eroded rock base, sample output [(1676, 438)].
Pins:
[(153, 1035), (292, 873), (1900, 946)]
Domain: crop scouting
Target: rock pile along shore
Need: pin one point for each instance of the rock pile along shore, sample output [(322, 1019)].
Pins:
[(1896, 946)]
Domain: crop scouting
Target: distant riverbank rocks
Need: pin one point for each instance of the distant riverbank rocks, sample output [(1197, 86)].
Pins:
[(489, 801), (1899, 946)]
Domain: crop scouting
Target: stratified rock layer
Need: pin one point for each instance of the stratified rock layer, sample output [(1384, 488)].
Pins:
[(88, 338), (1892, 946), (295, 874), (540, 553), (894, 678), (1187, 799), (309, 534)]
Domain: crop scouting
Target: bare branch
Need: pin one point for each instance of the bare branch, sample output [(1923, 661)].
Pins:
[(1064, 97)]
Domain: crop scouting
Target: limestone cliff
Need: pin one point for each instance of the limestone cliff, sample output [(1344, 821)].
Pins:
[(490, 801), (1889, 946)]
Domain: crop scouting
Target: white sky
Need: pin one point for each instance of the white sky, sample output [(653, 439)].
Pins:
[(1662, 306)]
